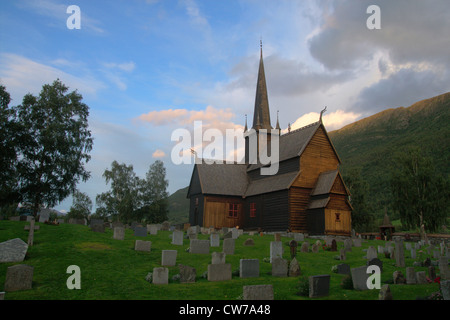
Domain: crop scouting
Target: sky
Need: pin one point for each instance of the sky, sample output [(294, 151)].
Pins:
[(147, 68)]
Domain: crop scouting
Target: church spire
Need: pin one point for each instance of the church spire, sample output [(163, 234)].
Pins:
[(278, 124), (261, 114)]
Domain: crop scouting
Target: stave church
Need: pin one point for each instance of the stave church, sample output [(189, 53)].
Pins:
[(307, 194)]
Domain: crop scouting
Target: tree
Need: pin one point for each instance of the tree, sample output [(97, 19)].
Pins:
[(9, 193), (122, 199), (420, 194), (154, 194), (53, 142), (81, 206), (362, 219)]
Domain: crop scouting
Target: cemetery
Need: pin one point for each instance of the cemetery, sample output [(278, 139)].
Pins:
[(127, 263)]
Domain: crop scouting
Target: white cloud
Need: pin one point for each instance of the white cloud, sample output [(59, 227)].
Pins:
[(158, 154), (21, 75)]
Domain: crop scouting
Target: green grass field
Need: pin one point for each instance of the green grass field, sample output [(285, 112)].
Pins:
[(112, 270)]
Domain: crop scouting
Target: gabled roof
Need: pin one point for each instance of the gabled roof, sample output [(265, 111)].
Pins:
[(292, 144), (221, 179), (271, 184), (324, 182)]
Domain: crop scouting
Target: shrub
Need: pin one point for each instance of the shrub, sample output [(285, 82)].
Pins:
[(303, 287), (347, 283)]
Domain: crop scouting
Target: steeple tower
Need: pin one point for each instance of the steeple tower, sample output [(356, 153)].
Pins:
[(261, 114)]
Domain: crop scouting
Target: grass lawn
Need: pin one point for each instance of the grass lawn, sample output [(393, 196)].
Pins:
[(112, 270)]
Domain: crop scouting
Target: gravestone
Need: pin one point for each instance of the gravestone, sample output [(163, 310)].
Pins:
[(371, 253), (218, 258), (293, 248), (117, 224), (234, 233), (357, 242), (276, 250), (19, 277), (277, 236), (160, 275), (398, 277), (408, 246), (214, 239), (343, 268), (219, 272), (228, 246), (258, 292), (141, 245), (95, 222), (187, 274), (381, 249), (177, 237), (249, 242), (421, 277), (413, 254), (319, 286), (169, 257), (152, 229), (410, 275), (445, 289), (377, 262), (385, 293), (359, 278), (140, 231), (333, 245), (432, 272), (279, 267), (399, 254), (98, 228), (31, 234), (444, 271), (304, 247), (199, 246), (248, 268), (44, 216), (314, 248), (228, 235), (119, 233), (294, 268), (13, 250), (342, 254), (348, 244), (299, 237)]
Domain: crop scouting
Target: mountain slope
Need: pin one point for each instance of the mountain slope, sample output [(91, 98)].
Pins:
[(368, 144), (179, 206)]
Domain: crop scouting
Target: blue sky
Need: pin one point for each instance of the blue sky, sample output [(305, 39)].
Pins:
[(148, 67)]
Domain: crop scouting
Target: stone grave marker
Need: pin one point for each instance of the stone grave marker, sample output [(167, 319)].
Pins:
[(249, 242), (413, 254), (445, 289), (160, 275), (319, 286), (421, 277), (218, 257), (248, 268), (398, 277), (444, 270), (304, 247), (140, 231), (315, 248), (279, 267), (119, 233), (187, 274), (169, 257), (432, 272), (333, 245), (19, 277), (399, 254), (410, 275), (371, 253), (299, 237), (293, 248), (359, 278), (385, 293), (348, 244), (177, 237), (276, 250), (377, 262), (294, 268), (219, 272), (214, 239), (357, 242), (152, 229), (44, 216), (141, 245), (13, 250), (343, 268), (199, 246), (258, 292), (98, 228), (277, 236), (228, 246), (31, 233)]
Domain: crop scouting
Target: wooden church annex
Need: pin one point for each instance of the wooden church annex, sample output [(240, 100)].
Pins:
[(306, 195)]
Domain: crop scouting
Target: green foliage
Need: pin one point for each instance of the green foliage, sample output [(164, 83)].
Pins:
[(81, 206), (347, 282), (368, 145), (303, 286), (133, 199), (420, 194), (52, 144)]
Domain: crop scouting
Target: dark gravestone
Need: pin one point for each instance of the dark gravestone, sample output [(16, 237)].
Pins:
[(319, 286), (333, 245), (377, 262), (343, 268), (98, 228), (140, 231), (19, 277), (293, 247)]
